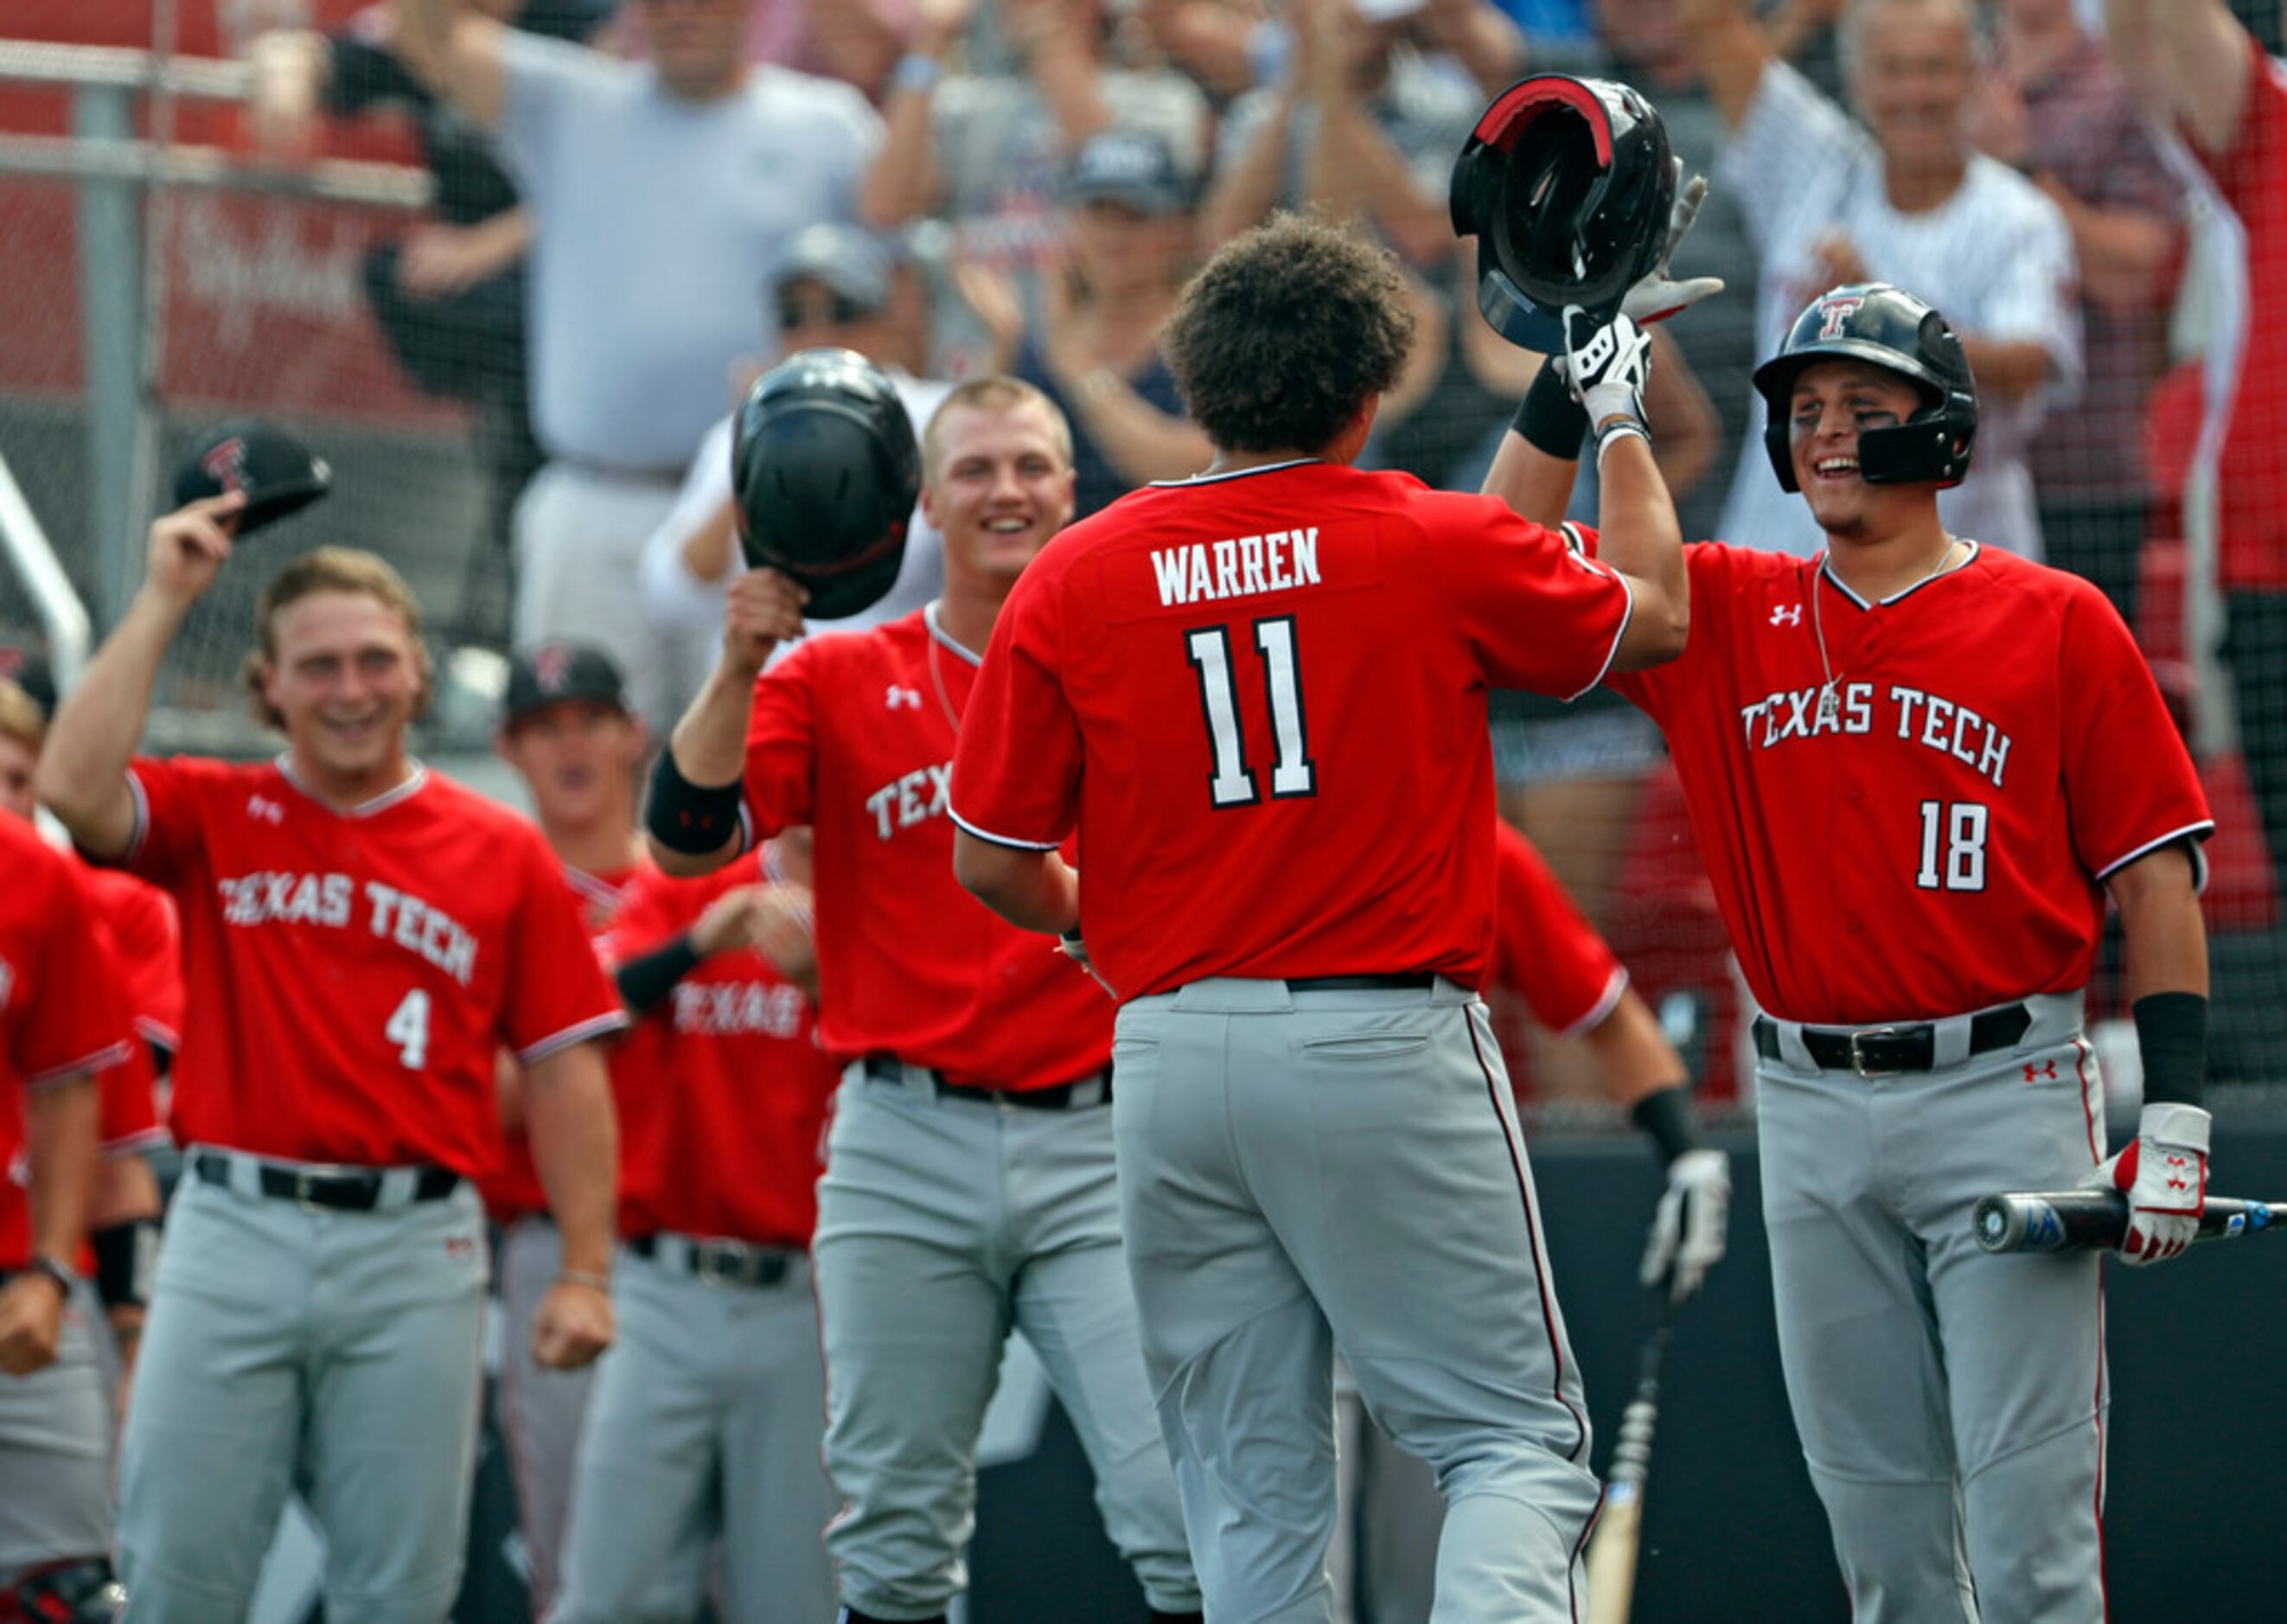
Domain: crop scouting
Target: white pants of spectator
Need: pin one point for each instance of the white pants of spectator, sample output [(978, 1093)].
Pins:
[(579, 534)]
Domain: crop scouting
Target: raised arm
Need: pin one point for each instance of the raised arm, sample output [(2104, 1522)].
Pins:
[(82, 772), (456, 51), (2188, 61), (1731, 50)]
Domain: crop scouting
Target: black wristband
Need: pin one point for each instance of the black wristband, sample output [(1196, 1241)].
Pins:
[(1667, 1115), (643, 982), (2172, 1038), (1549, 418), (697, 819), (126, 1262)]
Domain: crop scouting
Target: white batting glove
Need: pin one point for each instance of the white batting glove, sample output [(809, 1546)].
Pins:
[(1610, 362), (2165, 1172), (1657, 295), (1690, 1224)]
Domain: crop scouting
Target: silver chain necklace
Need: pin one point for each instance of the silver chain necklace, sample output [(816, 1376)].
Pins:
[(1830, 700)]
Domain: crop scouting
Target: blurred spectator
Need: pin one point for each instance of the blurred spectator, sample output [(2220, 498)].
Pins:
[(658, 190), (2200, 73), (2053, 108), (1904, 200), (1128, 233), (1360, 123), (448, 296), (838, 286), (989, 149)]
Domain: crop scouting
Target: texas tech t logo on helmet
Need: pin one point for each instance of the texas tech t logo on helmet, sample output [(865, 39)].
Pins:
[(1567, 185), (1889, 328)]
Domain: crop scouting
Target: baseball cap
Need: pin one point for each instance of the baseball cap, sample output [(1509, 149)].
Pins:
[(555, 672), (279, 474), (1129, 167), (854, 263)]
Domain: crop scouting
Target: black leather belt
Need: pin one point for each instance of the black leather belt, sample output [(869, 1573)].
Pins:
[(718, 1262), (1419, 981), (345, 1189), (1884, 1051), (1080, 1094)]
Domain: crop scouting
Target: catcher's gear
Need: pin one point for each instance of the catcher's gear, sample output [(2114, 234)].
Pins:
[(825, 469), (1609, 361), (76, 1590), (1891, 329), (278, 473), (1691, 1224), (2165, 1174), (1569, 187)]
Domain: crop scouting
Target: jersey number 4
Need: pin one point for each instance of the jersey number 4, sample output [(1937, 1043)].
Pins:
[(1293, 773), (408, 1029)]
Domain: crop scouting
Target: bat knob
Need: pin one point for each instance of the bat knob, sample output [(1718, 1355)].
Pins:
[(1992, 1223)]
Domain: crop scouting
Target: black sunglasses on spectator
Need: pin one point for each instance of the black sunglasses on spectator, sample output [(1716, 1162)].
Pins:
[(799, 310)]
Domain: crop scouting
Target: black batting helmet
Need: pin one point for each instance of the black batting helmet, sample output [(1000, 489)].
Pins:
[(1887, 327), (825, 469), (1567, 185)]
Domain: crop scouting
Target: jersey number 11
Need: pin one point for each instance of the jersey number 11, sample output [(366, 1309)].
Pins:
[(1294, 773)]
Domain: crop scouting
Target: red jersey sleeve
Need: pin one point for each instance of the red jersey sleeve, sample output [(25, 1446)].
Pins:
[(1545, 948), (556, 991), (781, 770), (126, 1106), (59, 995), (1654, 690), (167, 794), (1017, 768), (1538, 616), (2130, 785), (148, 934)]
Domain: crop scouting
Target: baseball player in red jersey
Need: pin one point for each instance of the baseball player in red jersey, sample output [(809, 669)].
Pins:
[(708, 1418), (569, 732), (969, 1186), (1259, 696), (360, 936), (1915, 766), (61, 1023)]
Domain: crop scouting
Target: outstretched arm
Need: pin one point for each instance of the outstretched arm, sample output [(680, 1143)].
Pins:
[(2188, 61)]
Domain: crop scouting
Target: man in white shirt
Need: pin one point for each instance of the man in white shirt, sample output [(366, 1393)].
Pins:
[(1901, 199)]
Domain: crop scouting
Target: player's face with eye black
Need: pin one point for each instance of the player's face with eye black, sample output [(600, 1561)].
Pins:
[(1833, 403), (346, 680), (17, 760), (579, 758), (1001, 487)]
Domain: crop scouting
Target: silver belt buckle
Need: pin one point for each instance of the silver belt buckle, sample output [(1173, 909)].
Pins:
[(723, 1262), (1858, 1055), (304, 1181)]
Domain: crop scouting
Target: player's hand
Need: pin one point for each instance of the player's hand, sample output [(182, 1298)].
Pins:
[(761, 610), (1691, 1224), (1657, 295), (190, 546), (31, 1323), (2165, 1172), (1835, 261), (1611, 361), (572, 1325)]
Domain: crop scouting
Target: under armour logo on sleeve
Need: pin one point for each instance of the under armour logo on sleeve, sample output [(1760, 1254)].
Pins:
[(1787, 614)]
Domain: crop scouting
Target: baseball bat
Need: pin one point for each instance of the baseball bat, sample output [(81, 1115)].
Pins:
[(1612, 1547), (2084, 1220)]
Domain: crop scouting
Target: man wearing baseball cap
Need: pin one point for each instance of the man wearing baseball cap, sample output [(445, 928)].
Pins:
[(571, 734), (838, 287)]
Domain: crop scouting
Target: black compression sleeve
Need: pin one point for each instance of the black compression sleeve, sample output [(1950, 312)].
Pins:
[(695, 819), (1549, 418), (643, 982), (1666, 1114), (126, 1262), (2172, 1038)]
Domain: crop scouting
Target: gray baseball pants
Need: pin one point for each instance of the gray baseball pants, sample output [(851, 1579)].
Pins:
[(347, 1345), (942, 1225), (55, 1454), (540, 1410), (1952, 1404), (706, 1421), (1303, 1169)]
